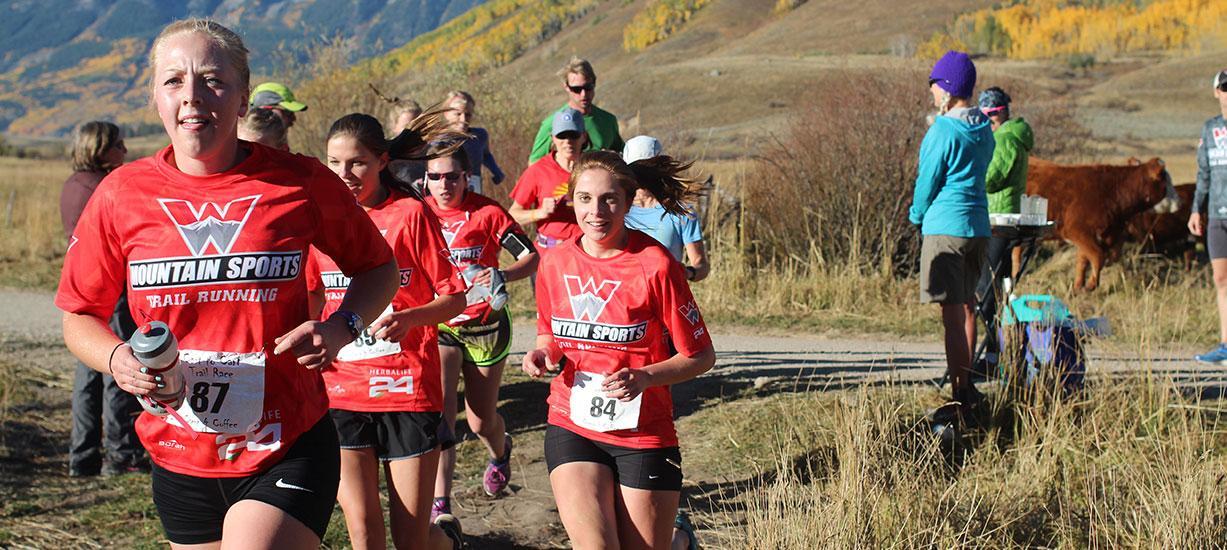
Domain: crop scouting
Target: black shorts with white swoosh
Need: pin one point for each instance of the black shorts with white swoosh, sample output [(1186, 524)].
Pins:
[(647, 469), (303, 484)]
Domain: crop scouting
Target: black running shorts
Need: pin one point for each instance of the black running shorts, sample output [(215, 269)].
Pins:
[(303, 485), (393, 435), (648, 469)]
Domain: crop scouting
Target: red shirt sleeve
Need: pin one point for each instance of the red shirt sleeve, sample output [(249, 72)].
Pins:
[(545, 306), (315, 281), (525, 191), (422, 235), (679, 312), (94, 272), (504, 223), (346, 233)]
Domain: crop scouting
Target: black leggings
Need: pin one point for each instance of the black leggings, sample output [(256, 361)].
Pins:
[(999, 265)]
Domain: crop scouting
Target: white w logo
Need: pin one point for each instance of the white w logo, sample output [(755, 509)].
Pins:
[(587, 299), (210, 222)]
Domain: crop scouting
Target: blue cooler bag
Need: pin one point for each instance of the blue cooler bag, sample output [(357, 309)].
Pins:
[(1044, 335)]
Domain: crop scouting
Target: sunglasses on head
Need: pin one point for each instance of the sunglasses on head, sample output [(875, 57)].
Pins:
[(449, 176), (568, 135), (579, 89)]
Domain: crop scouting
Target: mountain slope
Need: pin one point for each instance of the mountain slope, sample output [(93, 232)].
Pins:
[(67, 61)]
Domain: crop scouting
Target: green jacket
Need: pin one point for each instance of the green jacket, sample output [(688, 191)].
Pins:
[(1006, 180), (602, 128)]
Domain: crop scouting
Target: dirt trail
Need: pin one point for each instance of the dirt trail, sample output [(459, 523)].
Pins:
[(527, 518)]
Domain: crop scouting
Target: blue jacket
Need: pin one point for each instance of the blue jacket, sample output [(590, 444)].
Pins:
[(949, 198), (478, 150)]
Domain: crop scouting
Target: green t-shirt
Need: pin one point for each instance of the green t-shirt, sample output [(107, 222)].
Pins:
[(601, 125)]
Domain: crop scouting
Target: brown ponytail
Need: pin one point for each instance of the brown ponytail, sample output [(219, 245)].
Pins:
[(429, 127), (660, 176)]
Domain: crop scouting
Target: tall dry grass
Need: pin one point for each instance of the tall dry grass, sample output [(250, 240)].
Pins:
[(1129, 463), (32, 239)]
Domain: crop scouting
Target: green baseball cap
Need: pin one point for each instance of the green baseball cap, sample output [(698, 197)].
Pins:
[(275, 94)]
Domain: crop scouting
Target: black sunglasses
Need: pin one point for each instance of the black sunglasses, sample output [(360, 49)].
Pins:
[(584, 88), (449, 176)]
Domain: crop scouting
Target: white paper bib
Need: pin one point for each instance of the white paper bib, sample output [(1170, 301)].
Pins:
[(367, 346), (592, 410), (225, 391)]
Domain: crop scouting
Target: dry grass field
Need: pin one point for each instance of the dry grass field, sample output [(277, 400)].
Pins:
[(1134, 461)]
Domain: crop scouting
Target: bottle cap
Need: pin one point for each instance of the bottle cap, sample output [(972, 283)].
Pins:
[(152, 340)]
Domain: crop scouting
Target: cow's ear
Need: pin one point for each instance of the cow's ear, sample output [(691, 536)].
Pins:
[(1134, 161)]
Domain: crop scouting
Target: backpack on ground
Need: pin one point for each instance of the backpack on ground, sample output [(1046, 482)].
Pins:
[(1042, 341)]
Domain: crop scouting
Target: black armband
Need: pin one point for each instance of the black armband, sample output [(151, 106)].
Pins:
[(518, 245)]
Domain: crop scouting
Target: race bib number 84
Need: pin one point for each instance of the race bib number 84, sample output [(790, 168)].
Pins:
[(591, 409)]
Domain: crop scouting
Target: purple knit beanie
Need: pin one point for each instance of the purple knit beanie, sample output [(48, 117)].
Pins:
[(955, 73)]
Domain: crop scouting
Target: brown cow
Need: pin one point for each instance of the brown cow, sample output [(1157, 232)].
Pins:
[(1167, 234), (1091, 204)]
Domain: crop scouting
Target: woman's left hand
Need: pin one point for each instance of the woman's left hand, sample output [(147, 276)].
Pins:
[(392, 327), (626, 384)]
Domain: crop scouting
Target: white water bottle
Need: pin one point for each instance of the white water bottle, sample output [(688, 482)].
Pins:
[(158, 350), (494, 293)]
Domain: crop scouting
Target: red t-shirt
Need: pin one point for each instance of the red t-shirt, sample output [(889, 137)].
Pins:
[(473, 231), (219, 259), (609, 313), (544, 179), (372, 375)]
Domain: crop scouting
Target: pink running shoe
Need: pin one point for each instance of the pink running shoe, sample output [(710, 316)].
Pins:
[(439, 507), (498, 472)]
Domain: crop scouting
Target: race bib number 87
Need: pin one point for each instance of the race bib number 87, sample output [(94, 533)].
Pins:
[(591, 409), (225, 391)]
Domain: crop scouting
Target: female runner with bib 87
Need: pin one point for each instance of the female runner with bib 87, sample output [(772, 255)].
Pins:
[(384, 390), (604, 303), (210, 236)]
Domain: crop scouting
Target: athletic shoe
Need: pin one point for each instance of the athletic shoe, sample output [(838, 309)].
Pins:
[(451, 527), (440, 506), (75, 471), (110, 469), (498, 472), (681, 522), (1216, 356)]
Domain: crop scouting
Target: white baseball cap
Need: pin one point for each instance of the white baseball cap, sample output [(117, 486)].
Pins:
[(641, 147)]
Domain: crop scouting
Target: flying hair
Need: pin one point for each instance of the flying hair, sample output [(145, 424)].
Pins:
[(429, 127), (661, 176)]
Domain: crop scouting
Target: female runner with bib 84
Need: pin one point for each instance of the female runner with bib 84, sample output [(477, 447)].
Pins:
[(210, 236), (385, 391), (604, 303)]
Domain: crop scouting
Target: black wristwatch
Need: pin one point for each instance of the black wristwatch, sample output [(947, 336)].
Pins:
[(352, 321)]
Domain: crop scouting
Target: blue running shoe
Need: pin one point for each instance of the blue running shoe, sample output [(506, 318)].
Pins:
[(1216, 356)]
